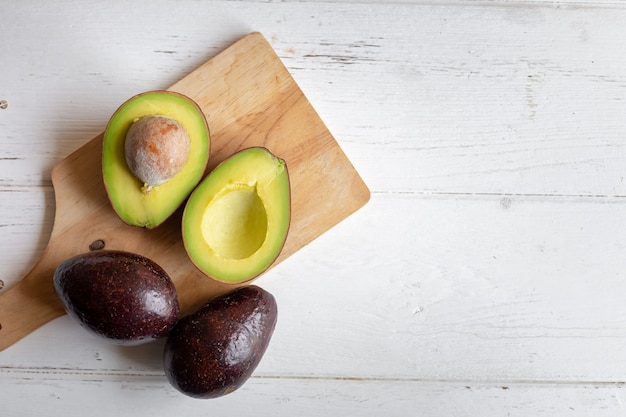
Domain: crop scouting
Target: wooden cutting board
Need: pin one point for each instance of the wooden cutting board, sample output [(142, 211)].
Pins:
[(249, 99)]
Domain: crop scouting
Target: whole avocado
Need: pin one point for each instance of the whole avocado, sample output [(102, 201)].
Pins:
[(214, 351), (120, 296)]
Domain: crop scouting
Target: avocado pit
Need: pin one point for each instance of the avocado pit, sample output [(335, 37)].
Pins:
[(156, 149)]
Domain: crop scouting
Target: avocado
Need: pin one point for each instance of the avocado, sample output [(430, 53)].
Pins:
[(236, 221), (120, 296), (155, 151), (215, 350)]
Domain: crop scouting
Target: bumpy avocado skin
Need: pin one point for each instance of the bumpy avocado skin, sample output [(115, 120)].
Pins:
[(135, 202), (122, 297), (214, 351)]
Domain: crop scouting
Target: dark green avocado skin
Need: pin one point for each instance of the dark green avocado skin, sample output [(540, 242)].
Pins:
[(123, 297), (214, 351)]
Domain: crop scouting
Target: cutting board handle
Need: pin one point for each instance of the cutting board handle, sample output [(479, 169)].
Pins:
[(30, 303)]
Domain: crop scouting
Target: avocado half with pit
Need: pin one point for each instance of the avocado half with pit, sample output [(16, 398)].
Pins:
[(156, 148), (236, 221)]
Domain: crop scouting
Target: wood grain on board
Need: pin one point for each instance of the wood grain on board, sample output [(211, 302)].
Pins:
[(249, 99)]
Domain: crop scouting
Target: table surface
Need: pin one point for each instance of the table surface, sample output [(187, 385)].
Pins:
[(486, 275)]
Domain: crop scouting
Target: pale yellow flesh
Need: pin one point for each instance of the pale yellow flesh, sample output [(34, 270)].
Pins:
[(242, 213), (126, 192), (236, 220)]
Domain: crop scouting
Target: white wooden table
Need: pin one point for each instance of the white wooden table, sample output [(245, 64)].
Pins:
[(485, 277)]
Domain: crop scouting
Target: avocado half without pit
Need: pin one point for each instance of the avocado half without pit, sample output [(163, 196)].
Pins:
[(156, 148), (236, 221)]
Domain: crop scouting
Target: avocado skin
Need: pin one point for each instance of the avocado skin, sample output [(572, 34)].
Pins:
[(214, 351), (259, 170), (123, 297)]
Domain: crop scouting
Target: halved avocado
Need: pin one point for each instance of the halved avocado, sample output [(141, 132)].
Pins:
[(236, 221), (137, 202)]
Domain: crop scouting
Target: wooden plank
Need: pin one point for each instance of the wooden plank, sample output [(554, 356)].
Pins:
[(463, 288), (150, 394), (529, 102)]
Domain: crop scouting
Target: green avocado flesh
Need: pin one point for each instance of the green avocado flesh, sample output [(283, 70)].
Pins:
[(133, 202), (236, 221)]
